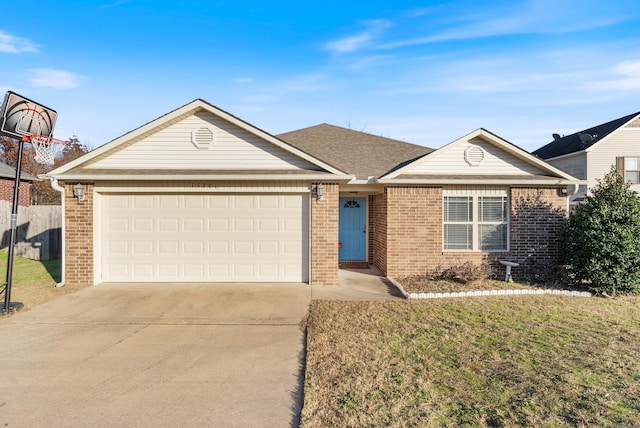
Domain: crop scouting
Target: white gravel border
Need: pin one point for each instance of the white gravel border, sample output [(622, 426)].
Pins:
[(486, 293)]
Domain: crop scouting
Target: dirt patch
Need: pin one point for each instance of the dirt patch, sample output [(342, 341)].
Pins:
[(423, 284)]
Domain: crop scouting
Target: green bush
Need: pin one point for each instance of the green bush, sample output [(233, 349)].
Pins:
[(601, 239)]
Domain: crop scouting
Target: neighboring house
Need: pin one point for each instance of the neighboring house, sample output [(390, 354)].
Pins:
[(590, 153), (7, 184), (200, 195)]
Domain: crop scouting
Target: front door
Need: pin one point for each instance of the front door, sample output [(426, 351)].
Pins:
[(353, 229)]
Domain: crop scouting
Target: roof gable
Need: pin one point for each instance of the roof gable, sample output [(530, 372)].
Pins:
[(359, 153), (196, 137), (480, 155), (582, 140)]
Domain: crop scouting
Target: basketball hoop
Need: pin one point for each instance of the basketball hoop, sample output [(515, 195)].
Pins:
[(46, 148)]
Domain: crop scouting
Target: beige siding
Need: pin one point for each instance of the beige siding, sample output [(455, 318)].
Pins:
[(202, 187), (495, 162), (475, 190), (574, 165), (202, 141), (624, 142)]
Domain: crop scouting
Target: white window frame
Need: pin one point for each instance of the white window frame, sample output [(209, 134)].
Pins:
[(627, 170), (476, 195)]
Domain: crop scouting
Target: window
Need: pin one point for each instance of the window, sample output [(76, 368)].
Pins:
[(475, 223), (632, 170)]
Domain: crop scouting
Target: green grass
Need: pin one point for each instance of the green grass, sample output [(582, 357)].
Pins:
[(34, 282), (500, 361)]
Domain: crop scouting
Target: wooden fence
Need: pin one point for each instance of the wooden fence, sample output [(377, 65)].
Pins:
[(39, 230)]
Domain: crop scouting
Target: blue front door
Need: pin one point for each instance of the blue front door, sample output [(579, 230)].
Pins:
[(353, 229)]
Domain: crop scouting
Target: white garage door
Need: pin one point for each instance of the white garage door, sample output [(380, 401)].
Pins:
[(204, 238)]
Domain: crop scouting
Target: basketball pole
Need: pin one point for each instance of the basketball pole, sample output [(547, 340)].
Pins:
[(14, 227)]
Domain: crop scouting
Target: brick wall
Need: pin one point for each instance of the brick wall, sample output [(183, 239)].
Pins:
[(378, 231), (414, 231), (408, 232), (78, 245), (6, 191), (371, 227), (537, 215), (324, 236)]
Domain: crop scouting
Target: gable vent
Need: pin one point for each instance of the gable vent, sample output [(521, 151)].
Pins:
[(202, 138), (474, 155)]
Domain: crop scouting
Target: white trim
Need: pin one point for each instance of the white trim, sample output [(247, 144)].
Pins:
[(97, 237), (492, 139), (475, 194), (566, 156), (475, 181), (183, 177)]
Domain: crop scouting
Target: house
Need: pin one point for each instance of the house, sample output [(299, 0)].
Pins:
[(589, 154), (8, 181), (201, 195)]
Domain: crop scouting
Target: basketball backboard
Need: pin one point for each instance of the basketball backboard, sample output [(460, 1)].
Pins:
[(20, 117)]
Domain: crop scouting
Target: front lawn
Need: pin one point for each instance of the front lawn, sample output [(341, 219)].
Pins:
[(493, 361), (34, 282)]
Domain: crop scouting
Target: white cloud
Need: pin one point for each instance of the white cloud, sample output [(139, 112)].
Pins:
[(531, 17), (626, 77), (630, 68), (115, 4), (360, 40), (243, 80), (15, 45), (57, 79)]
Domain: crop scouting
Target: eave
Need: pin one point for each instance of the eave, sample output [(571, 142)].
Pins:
[(485, 181), (239, 176)]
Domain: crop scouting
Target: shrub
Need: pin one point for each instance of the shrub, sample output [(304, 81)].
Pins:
[(601, 240)]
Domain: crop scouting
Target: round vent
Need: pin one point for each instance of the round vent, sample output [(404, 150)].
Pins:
[(474, 155), (202, 138)]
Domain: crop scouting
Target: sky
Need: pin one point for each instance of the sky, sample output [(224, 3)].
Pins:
[(425, 72)]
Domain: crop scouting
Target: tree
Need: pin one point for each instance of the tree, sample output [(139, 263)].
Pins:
[(601, 239), (41, 191)]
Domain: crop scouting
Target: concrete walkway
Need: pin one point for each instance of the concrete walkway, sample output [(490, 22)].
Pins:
[(160, 355), (358, 284)]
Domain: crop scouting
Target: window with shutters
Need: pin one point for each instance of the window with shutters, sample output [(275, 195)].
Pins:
[(632, 169), (476, 222)]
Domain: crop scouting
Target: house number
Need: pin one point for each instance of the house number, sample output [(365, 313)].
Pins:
[(204, 185)]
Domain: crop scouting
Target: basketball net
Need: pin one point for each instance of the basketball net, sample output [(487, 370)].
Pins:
[(46, 148)]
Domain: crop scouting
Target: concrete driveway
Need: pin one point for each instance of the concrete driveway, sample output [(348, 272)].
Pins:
[(156, 355)]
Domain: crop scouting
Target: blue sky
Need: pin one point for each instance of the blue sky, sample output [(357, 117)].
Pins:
[(426, 72)]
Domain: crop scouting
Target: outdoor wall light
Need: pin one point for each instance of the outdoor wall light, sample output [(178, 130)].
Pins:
[(78, 191), (319, 192)]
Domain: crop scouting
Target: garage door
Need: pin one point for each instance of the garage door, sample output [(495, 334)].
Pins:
[(204, 238)]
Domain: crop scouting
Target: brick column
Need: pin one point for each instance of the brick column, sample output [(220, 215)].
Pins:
[(78, 244), (537, 216), (324, 236), (414, 229)]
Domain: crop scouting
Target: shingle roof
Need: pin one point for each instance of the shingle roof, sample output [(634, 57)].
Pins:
[(581, 140), (7, 171), (353, 152)]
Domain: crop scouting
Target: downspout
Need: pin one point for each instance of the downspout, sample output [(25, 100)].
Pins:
[(571, 190), (56, 186)]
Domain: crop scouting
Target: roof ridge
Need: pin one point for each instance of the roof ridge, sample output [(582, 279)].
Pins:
[(368, 134)]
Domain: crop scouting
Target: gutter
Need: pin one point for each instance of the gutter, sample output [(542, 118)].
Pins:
[(506, 182), (56, 186), (204, 177)]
